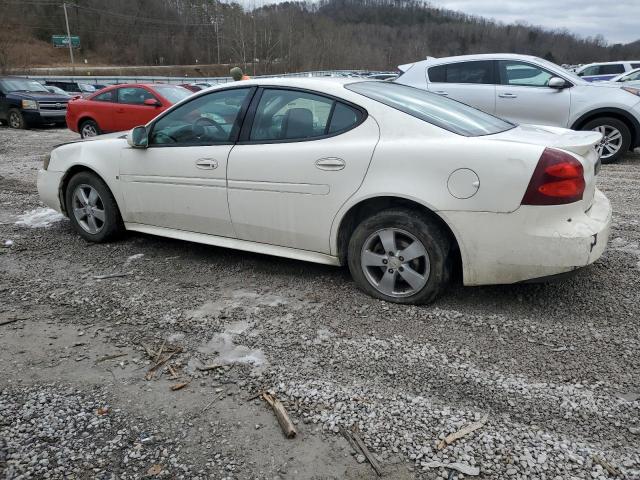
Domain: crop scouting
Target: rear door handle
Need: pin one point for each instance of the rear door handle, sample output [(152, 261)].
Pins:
[(507, 95), (330, 163), (441, 92), (207, 163)]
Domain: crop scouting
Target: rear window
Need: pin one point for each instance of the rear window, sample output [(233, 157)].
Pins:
[(480, 71), (442, 112)]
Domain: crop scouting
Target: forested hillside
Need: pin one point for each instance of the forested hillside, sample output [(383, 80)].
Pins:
[(292, 36)]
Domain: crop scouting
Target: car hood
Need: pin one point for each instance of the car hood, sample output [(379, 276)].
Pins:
[(40, 96), (562, 138), (108, 136)]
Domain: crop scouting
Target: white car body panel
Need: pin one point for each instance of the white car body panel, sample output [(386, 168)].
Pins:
[(533, 105), (272, 198)]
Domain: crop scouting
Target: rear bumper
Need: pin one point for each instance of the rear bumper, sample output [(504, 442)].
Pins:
[(530, 243), (49, 188)]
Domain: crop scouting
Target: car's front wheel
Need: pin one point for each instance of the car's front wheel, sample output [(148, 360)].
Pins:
[(92, 209), (401, 256), (616, 138), (89, 128), (16, 120)]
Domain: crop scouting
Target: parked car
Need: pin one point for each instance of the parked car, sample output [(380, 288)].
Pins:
[(632, 76), (398, 183), (73, 88), (121, 107), (25, 102), (598, 72), (525, 89), (56, 90)]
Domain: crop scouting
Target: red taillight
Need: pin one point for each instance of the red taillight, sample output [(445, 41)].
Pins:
[(557, 179)]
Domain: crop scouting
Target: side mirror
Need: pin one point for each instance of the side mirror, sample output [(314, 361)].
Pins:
[(138, 137), (152, 102), (557, 83)]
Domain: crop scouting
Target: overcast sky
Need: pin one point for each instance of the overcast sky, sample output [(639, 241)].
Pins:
[(618, 21)]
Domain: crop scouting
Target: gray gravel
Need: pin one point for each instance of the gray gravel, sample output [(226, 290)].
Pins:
[(555, 367)]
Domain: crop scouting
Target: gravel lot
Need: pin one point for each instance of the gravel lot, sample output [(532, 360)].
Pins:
[(555, 367)]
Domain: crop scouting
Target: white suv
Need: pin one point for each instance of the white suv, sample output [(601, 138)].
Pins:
[(526, 89)]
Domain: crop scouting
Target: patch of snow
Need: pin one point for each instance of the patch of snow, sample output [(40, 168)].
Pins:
[(133, 258), (39, 218), (8, 243), (227, 352)]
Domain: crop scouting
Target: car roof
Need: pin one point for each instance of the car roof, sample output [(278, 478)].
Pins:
[(329, 85)]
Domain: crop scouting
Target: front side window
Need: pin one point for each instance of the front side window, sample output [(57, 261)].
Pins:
[(134, 95), (463, 72), (523, 74), (442, 112), (635, 65), (209, 119)]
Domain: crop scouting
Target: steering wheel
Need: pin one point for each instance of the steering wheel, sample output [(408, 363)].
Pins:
[(208, 122)]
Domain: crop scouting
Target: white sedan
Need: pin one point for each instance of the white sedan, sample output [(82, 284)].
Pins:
[(401, 184)]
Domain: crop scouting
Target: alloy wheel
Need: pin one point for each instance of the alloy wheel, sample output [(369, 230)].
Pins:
[(611, 141), (395, 262), (89, 130), (88, 209), (14, 120)]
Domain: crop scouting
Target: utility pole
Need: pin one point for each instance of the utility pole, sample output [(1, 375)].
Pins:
[(66, 20)]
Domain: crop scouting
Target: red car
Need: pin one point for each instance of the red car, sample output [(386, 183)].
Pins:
[(121, 107)]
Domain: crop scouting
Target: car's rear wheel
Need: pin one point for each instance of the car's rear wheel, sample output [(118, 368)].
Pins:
[(401, 256), (616, 138), (92, 209), (89, 128), (15, 119)]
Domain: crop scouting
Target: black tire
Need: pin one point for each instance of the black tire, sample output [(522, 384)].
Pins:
[(88, 125), (15, 119), (428, 232), (618, 125), (112, 226)]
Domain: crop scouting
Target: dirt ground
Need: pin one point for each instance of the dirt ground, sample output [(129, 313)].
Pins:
[(554, 367)]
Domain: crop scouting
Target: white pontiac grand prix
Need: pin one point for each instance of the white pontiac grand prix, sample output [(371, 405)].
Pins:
[(399, 183)]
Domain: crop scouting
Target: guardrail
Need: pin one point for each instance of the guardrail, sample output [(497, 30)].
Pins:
[(112, 80)]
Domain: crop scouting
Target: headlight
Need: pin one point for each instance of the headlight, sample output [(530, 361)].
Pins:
[(29, 105), (633, 91), (45, 163)]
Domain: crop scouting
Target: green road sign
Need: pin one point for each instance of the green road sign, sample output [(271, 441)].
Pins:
[(62, 41)]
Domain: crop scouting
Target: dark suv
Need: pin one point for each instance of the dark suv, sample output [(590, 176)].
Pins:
[(25, 102)]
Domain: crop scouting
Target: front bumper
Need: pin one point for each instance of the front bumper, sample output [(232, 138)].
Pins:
[(530, 243), (49, 188), (40, 117)]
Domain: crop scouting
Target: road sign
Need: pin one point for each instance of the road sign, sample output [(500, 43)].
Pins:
[(62, 41)]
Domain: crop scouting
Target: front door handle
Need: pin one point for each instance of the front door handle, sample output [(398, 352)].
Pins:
[(507, 95), (441, 92), (207, 163), (330, 163)]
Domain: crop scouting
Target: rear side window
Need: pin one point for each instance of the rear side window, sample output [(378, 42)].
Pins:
[(442, 112), (105, 97), (463, 72), (635, 65), (613, 69), (284, 115)]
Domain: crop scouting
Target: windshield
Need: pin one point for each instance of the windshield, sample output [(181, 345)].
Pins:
[(21, 85), (442, 112), (173, 93)]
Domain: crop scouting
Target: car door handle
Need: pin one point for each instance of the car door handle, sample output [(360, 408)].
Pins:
[(441, 92), (330, 163), (207, 163), (507, 95)]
